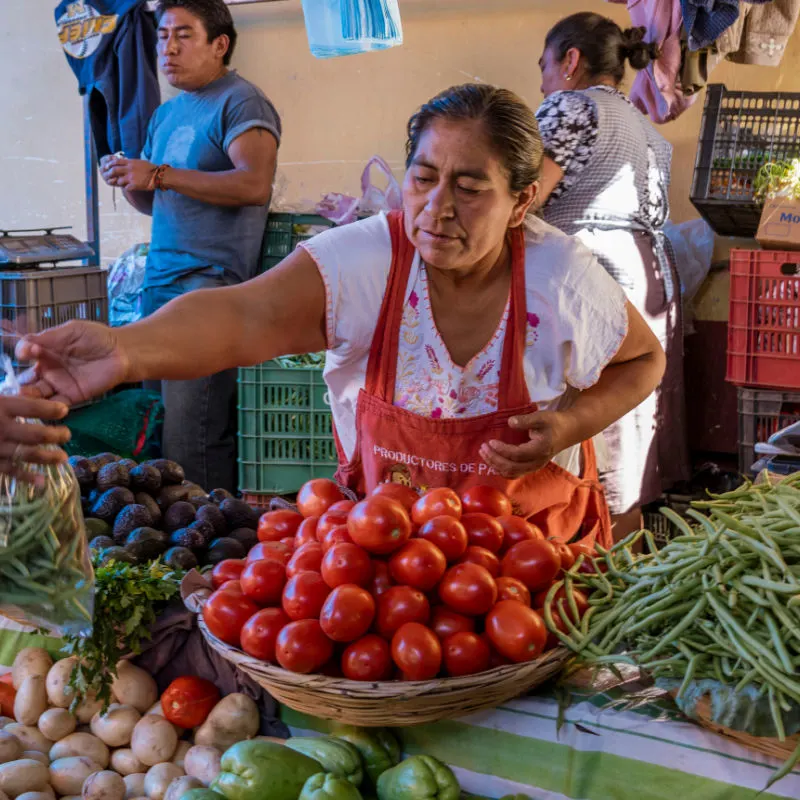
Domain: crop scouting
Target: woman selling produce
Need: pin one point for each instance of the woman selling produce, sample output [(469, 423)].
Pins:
[(457, 354)]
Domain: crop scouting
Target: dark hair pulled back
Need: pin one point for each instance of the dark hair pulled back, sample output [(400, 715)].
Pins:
[(605, 47), (510, 125), (214, 14)]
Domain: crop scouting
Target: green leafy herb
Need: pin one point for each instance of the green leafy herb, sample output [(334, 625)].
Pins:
[(313, 360), (778, 178), (127, 599)]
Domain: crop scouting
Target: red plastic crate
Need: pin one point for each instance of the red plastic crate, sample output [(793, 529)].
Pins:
[(764, 320)]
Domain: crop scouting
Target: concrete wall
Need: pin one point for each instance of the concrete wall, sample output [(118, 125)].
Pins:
[(336, 113)]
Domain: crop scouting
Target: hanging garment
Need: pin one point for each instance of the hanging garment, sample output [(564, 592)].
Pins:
[(706, 20), (760, 34), (111, 47)]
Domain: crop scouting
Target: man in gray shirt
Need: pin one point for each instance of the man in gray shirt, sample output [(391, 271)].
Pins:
[(206, 176)]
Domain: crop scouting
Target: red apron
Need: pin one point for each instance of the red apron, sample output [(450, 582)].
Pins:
[(395, 444)]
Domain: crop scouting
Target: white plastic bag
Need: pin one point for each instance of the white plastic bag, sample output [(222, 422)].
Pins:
[(693, 245), (125, 282)]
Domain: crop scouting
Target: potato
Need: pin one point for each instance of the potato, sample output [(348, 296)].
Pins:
[(10, 747), (126, 763), (81, 744), (115, 727), (202, 762), (134, 785), (59, 692), (68, 774), (180, 786), (29, 737), (134, 687), (154, 740), (47, 794), (28, 662), (31, 700), (157, 711), (23, 775), (180, 753), (56, 723), (158, 779), (231, 720), (104, 785), (42, 758), (87, 708)]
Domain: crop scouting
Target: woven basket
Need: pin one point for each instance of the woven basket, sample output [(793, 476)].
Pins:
[(392, 703)]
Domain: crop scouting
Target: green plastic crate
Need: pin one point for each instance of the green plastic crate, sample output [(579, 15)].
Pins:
[(284, 232), (285, 429)]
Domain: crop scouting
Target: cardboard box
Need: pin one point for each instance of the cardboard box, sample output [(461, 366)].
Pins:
[(779, 228)]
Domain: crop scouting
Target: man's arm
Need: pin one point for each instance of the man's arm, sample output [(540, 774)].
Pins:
[(141, 201)]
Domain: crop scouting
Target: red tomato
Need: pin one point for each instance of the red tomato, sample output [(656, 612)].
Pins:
[(332, 668), (347, 614), (535, 562), (486, 500), (225, 613), (276, 551), (7, 697), (381, 579), (436, 503), (465, 654), (581, 602), (263, 581), (260, 633), (317, 496), (380, 525), (304, 595), (495, 659), (302, 646), (345, 506), (276, 525), (512, 589), (228, 570), (516, 530), (468, 589), (419, 564), (588, 552), (307, 532), (516, 631), (346, 563), (566, 555), (445, 622), (417, 651), (368, 659), (398, 605), (404, 495), (336, 535), (448, 534), (329, 520), (231, 586), (307, 558), (482, 557), (483, 531), (188, 700)]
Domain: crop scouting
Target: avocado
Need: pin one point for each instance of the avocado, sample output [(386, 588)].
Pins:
[(170, 495), (193, 490), (246, 537), (101, 543), (145, 478), (180, 558), (205, 529), (96, 527), (128, 462), (131, 517), (215, 517), (93, 495), (171, 472), (218, 495), (116, 474), (145, 543), (178, 515), (111, 502), (200, 502), (184, 537), (144, 499), (98, 461), (83, 472), (223, 548), (116, 554), (238, 514)]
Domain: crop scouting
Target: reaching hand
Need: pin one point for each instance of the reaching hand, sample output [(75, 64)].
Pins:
[(132, 174), (73, 363)]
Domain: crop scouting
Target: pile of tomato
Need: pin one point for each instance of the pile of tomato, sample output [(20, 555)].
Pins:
[(399, 586)]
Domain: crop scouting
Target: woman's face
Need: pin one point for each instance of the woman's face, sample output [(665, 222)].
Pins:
[(456, 198), (553, 79)]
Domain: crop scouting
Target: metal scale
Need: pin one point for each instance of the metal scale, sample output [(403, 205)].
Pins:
[(40, 247)]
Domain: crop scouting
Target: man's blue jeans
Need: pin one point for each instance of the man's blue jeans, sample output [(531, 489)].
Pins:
[(200, 422)]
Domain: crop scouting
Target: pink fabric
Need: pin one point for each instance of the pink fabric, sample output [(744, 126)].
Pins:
[(656, 90)]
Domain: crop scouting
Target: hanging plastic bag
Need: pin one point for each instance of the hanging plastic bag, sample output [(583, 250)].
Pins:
[(125, 282), (46, 576), (346, 27), (693, 245)]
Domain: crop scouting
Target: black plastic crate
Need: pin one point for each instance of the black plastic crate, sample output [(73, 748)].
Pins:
[(33, 300), (740, 132), (660, 526), (763, 412)]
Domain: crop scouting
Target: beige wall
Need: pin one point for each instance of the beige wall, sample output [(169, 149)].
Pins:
[(336, 113)]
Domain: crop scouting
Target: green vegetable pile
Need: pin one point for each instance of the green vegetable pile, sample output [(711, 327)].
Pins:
[(721, 601), (778, 178), (305, 361)]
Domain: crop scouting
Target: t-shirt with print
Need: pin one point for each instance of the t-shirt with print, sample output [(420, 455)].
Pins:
[(576, 321), (194, 131)]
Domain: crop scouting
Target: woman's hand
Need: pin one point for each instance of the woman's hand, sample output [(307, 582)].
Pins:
[(22, 442), (549, 435)]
